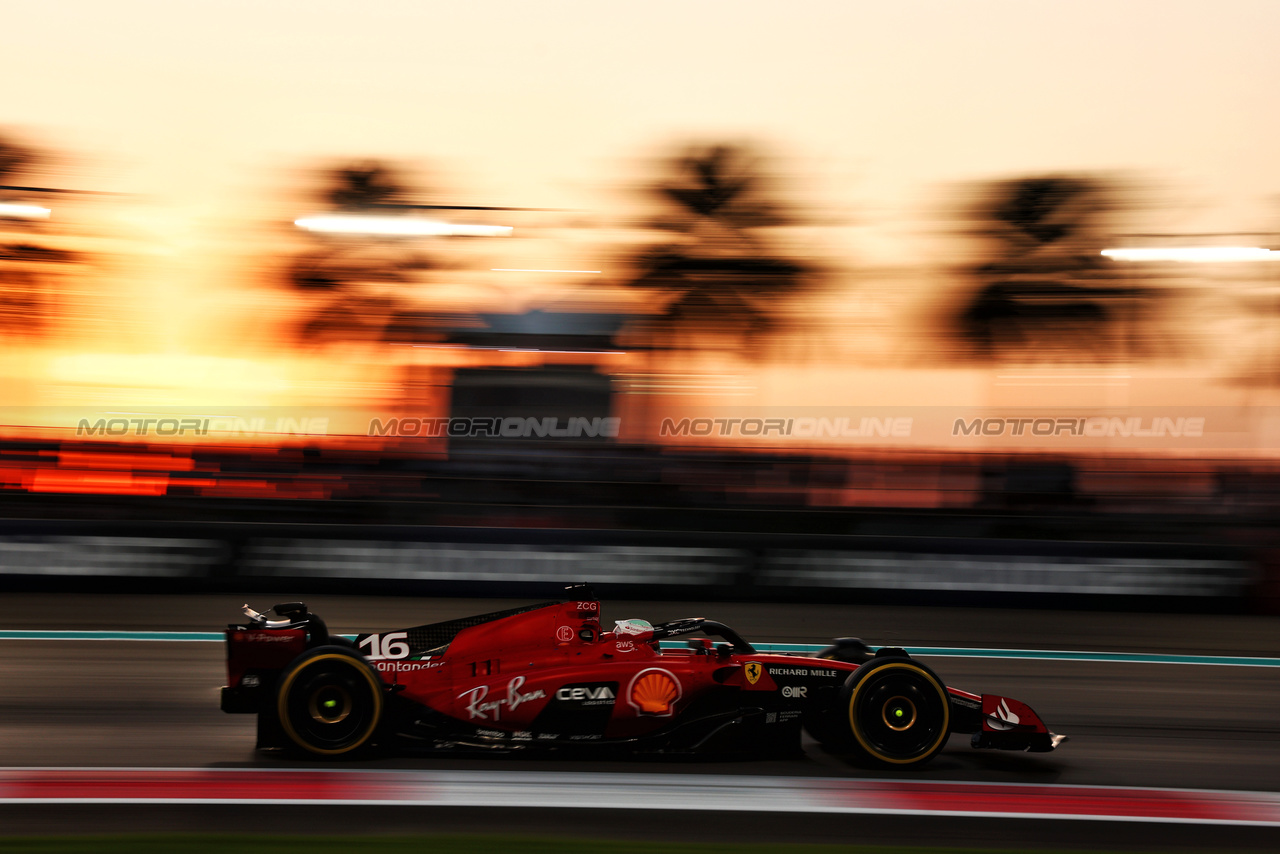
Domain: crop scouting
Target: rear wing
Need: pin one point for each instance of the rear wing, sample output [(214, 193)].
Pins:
[(259, 648)]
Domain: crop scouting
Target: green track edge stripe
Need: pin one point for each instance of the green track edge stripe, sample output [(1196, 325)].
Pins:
[(801, 648), (57, 634), (1035, 654)]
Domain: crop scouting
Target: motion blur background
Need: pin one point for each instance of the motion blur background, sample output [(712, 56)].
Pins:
[(747, 296), (736, 307)]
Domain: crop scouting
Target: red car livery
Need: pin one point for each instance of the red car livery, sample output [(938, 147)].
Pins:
[(550, 677)]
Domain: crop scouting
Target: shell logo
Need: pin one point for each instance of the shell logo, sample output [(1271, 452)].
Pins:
[(654, 692)]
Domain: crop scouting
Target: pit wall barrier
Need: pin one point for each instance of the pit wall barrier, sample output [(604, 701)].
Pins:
[(494, 561)]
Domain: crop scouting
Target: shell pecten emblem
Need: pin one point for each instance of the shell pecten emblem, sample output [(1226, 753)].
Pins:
[(654, 691), (753, 670)]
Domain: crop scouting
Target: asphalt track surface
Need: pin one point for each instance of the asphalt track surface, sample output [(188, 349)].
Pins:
[(154, 704)]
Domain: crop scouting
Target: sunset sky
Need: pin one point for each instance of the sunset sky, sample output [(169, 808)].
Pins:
[(207, 116), (546, 103)]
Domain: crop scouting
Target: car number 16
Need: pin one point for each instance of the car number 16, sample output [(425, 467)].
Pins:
[(391, 645)]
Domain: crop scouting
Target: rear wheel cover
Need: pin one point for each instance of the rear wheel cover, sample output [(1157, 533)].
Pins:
[(899, 713), (330, 704)]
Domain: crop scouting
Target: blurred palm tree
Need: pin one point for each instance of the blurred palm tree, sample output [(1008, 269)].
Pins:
[(1045, 287), (721, 272), (15, 160), (718, 188), (354, 283), (26, 264), (364, 187)]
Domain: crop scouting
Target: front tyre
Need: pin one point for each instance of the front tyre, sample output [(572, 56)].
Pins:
[(329, 701), (897, 711)]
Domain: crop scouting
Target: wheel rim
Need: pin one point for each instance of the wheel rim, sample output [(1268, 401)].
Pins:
[(899, 713), (330, 705)]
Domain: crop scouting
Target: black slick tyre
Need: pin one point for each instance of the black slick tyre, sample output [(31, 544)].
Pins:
[(329, 702), (896, 711)]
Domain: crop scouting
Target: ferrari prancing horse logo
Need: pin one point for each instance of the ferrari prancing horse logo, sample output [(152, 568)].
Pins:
[(754, 669)]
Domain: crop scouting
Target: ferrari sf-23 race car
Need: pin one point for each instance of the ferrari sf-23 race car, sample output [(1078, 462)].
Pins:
[(549, 677)]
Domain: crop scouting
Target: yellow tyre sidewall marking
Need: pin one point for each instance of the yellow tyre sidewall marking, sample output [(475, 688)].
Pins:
[(946, 713), (282, 704)]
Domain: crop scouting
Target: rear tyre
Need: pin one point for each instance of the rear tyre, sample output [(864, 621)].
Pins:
[(329, 702), (897, 713)]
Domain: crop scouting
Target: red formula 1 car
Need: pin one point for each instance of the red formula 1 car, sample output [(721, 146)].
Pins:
[(549, 677)]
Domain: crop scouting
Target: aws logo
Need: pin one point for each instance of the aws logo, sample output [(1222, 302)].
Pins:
[(654, 692)]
